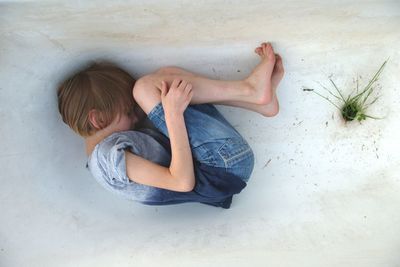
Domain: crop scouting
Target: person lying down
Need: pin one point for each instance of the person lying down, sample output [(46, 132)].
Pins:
[(160, 140)]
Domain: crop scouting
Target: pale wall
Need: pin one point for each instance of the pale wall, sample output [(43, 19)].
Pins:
[(329, 195)]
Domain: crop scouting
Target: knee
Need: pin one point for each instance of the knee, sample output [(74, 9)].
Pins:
[(142, 86), (146, 94)]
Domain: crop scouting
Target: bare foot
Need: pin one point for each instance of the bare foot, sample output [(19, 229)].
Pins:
[(260, 78), (272, 108)]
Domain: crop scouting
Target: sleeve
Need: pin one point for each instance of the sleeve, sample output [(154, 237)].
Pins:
[(112, 161)]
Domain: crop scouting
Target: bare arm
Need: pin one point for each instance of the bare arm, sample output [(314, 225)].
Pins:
[(181, 162), (180, 175)]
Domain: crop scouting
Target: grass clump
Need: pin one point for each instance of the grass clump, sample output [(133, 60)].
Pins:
[(353, 107)]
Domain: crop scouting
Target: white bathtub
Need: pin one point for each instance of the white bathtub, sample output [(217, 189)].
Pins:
[(322, 193)]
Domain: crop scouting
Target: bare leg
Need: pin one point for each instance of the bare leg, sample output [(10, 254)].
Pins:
[(256, 89), (268, 110)]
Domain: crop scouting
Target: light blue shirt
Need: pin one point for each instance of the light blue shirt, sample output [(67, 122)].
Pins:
[(107, 165)]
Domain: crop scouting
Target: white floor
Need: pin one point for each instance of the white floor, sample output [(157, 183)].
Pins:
[(322, 193)]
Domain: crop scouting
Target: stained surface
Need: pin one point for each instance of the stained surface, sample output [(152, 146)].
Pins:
[(322, 193)]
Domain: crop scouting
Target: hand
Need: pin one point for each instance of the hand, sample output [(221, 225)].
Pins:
[(175, 99)]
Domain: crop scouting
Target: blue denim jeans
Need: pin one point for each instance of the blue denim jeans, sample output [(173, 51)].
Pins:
[(212, 138)]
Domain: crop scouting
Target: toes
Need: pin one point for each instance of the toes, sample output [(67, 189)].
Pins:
[(279, 62), (264, 47), (268, 50), (278, 59), (276, 62), (258, 50)]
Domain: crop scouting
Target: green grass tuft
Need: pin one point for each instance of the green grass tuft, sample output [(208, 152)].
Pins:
[(353, 107)]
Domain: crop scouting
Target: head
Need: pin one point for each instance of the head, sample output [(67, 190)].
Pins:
[(96, 97)]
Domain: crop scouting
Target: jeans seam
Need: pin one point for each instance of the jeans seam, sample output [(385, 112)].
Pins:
[(155, 111), (234, 157), (155, 115)]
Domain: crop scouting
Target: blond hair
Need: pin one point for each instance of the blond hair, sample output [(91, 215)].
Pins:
[(103, 87)]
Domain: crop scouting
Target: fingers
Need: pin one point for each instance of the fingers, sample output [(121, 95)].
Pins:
[(188, 88), (178, 86), (190, 95), (185, 88), (188, 91), (179, 83), (182, 85), (175, 83), (163, 88)]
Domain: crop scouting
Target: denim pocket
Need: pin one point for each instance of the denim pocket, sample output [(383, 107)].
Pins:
[(238, 157), (233, 154), (235, 150), (205, 154)]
